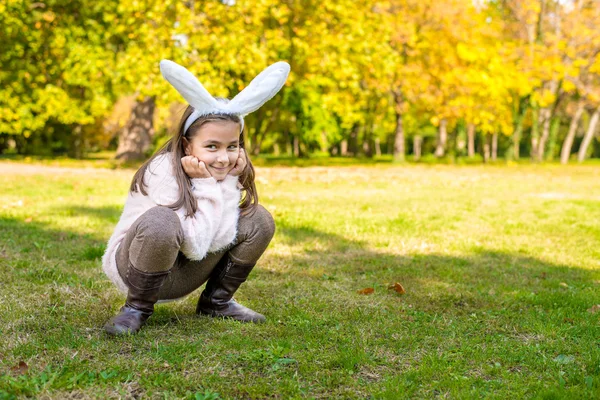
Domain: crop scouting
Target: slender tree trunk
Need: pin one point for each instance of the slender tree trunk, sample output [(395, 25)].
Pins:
[(399, 146), (417, 144), (518, 116), (296, 146), (568, 143), (353, 142), (377, 147), (589, 134), (495, 146), (545, 118), (534, 132), (136, 137), (77, 145), (470, 140), (442, 139), (288, 146), (367, 149), (486, 148), (516, 140), (344, 148)]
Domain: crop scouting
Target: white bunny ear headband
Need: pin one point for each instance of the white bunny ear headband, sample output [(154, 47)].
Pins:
[(258, 92)]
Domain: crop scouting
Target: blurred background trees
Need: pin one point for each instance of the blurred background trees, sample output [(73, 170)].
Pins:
[(402, 79)]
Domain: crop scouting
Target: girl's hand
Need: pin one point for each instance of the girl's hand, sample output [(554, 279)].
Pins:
[(240, 164), (194, 167)]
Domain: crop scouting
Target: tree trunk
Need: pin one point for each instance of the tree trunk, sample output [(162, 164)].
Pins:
[(442, 139), (136, 137), (470, 140), (399, 147), (518, 118), (344, 148), (296, 146), (377, 147), (535, 133), (287, 141), (545, 118), (565, 152), (353, 142), (77, 146), (516, 140), (486, 148), (367, 147), (589, 134), (417, 143), (495, 146)]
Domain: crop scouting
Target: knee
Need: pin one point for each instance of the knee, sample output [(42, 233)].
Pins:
[(162, 225), (260, 223)]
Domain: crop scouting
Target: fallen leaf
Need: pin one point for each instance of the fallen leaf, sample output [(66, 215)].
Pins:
[(368, 290), (594, 309), (28, 220), (20, 369), (562, 284), (398, 288)]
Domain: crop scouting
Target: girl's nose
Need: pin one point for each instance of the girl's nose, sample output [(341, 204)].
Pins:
[(222, 157)]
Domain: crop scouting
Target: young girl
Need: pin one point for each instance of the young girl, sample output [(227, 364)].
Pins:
[(183, 223)]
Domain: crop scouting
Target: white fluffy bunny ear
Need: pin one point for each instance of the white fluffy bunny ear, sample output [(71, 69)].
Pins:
[(189, 87), (260, 90)]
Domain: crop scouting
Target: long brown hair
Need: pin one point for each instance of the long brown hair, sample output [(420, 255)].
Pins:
[(175, 148)]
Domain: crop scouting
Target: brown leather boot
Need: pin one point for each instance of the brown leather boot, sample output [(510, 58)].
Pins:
[(139, 306), (217, 298)]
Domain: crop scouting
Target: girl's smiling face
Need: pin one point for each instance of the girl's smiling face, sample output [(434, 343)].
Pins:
[(217, 144)]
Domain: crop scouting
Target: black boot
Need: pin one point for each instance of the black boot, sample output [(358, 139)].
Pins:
[(217, 298), (139, 306)]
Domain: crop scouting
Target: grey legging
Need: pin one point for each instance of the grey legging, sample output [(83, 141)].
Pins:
[(152, 245)]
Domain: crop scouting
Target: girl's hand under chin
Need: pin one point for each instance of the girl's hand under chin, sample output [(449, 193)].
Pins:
[(194, 168), (240, 164)]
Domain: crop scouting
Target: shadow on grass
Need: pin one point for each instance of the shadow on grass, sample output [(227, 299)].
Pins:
[(34, 253), (483, 278)]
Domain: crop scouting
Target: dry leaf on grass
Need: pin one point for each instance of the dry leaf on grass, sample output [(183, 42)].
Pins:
[(20, 369), (398, 288), (594, 309), (368, 290)]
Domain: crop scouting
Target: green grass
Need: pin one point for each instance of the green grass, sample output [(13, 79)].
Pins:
[(500, 266)]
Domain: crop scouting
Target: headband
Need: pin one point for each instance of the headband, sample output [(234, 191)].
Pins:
[(258, 92)]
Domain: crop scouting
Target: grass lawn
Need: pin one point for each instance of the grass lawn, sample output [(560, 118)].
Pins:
[(501, 267)]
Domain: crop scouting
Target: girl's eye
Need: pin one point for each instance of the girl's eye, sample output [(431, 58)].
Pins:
[(233, 147), (211, 146)]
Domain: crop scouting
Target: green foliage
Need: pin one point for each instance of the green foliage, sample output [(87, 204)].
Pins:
[(357, 66)]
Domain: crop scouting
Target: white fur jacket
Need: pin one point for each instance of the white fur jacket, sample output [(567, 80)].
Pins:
[(212, 228)]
